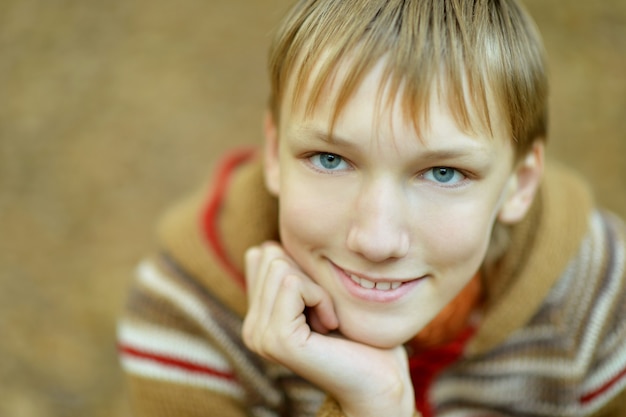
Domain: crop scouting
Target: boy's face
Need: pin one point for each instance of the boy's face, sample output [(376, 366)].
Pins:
[(390, 224)]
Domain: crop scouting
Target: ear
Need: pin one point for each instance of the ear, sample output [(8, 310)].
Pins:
[(523, 185), (270, 154)]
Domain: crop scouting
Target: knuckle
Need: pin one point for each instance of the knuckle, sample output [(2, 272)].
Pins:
[(251, 253), (278, 267), (273, 251), (247, 333), (269, 344), (290, 281)]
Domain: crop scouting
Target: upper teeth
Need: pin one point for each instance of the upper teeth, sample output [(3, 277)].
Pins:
[(384, 286)]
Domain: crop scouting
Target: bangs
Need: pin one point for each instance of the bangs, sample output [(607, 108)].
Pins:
[(479, 57)]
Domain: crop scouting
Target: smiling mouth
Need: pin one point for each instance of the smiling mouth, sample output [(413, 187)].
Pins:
[(378, 290), (380, 285)]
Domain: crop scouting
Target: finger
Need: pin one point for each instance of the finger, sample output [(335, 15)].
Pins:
[(269, 252), (266, 269), (317, 324), (297, 293), (254, 280), (277, 270), (257, 263), (324, 318), (252, 261)]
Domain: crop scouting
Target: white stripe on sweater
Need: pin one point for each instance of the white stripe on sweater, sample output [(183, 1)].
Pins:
[(172, 344)]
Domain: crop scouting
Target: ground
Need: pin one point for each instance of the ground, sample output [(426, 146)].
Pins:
[(110, 110)]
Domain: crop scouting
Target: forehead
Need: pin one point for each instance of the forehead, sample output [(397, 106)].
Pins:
[(375, 100)]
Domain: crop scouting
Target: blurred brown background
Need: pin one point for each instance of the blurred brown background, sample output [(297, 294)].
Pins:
[(109, 110)]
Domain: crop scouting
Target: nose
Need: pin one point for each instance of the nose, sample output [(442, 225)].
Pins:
[(379, 228)]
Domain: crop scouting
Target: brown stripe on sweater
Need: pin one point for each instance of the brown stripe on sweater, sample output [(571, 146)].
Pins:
[(145, 306), (154, 397)]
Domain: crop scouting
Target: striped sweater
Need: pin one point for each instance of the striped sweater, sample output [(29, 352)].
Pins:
[(551, 341)]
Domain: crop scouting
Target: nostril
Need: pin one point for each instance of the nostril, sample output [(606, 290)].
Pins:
[(378, 246)]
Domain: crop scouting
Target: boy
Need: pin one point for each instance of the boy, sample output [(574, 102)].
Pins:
[(404, 252)]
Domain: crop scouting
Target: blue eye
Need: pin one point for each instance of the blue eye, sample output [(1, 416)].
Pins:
[(328, 161), (444, 175)]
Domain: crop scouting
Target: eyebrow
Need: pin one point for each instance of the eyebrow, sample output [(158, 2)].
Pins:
[(321, 135), (446, 154), (313, 133)]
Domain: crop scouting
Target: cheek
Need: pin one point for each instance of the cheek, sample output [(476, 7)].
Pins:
[(459, 237), (309, 217)]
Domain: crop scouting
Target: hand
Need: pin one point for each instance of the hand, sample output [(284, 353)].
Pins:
[(366, 381)]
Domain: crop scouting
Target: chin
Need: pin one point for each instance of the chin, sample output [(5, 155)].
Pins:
[(379, 336)]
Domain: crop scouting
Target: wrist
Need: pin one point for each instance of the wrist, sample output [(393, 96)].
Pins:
[(399, 402)]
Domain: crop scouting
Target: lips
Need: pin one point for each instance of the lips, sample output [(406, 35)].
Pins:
[(376, 289)]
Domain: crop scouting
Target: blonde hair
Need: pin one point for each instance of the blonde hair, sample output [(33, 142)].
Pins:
[(487, 52)]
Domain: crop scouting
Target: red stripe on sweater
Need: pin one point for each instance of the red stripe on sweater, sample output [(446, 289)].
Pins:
[(175, 363), (427, 364), (211, 213), (590, 396)]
